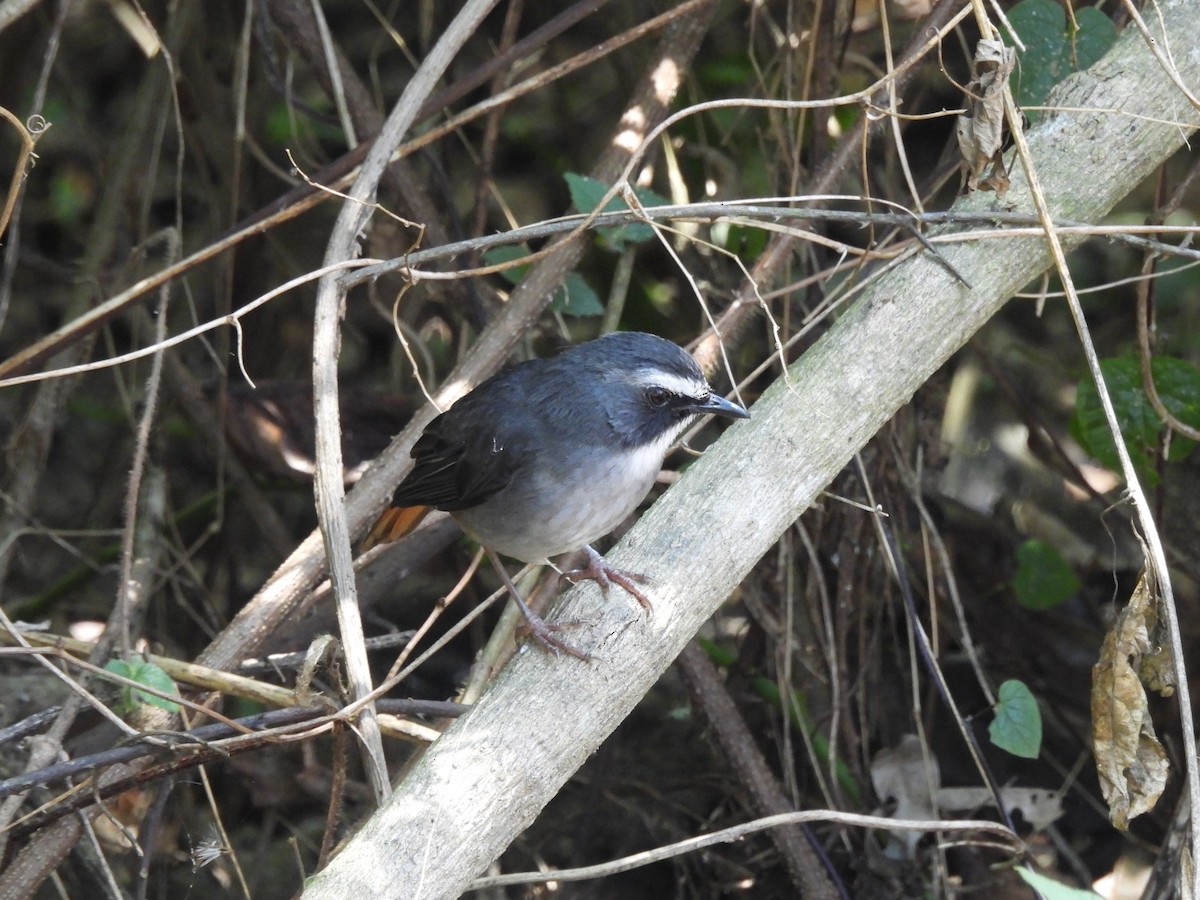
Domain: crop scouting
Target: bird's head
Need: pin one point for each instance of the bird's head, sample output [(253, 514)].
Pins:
[(651, 389)]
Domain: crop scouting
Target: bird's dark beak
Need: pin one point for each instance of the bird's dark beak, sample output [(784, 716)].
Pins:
[(717, 405)]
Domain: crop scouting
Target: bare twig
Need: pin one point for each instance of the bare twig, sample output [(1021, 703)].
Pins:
[(737, 832)]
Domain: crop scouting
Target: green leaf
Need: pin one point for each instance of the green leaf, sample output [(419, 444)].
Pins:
[(1043, 578), (154, 677), (1095, 36), (717, 653), (284, 126), (1178, 385), (586, 194), (748, 243), (725, 73), (576, 298), (149, 674), (498, 255), (119, 667), (1054, 48), (1017, 727), (1054, 890)]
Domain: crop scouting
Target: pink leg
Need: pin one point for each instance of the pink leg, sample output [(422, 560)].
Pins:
[(606, 575)]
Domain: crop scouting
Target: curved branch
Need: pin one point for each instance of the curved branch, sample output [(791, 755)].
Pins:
[(490, 775)]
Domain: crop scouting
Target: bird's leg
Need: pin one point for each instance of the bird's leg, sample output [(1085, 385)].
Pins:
[(606, 575), (541, 630)]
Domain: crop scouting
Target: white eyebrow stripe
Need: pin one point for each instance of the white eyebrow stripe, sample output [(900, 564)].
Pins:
[(676, 384)]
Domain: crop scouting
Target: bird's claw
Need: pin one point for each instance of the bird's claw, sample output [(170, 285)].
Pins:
[(606, 575), (542, 633)]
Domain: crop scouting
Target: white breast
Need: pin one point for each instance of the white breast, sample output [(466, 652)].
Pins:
[(566, 504)]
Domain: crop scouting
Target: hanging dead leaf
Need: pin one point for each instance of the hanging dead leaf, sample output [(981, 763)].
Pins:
[(997, 179), (1156, 669), (1130, 761), (981, 129)]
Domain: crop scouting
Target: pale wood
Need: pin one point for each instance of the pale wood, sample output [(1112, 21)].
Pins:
[(488, 777)]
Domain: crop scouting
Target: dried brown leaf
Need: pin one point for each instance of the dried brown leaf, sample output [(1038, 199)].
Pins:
[(981, 129), (1130, 761)]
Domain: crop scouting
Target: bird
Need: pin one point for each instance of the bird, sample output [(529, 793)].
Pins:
[(551, 454)]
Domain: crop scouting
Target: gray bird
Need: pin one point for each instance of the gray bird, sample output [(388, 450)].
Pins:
[(551, 454)]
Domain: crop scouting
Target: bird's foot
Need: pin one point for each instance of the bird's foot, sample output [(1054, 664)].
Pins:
[(543, 634), (606, 575), (535, 626)]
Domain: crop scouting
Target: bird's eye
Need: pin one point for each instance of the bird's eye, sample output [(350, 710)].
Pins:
[(657, 396)]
